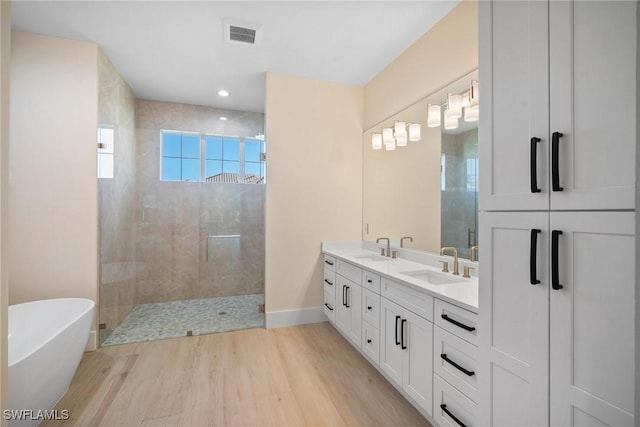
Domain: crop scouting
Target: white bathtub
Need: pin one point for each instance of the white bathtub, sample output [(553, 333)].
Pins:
[(46, 342)]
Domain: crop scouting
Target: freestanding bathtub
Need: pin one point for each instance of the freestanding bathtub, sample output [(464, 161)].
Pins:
[(46, 341)]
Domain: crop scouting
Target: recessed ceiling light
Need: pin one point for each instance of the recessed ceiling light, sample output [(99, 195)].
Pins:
[(223, 118), (223, 92)]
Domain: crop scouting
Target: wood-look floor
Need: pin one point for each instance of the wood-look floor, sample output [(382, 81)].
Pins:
[(299, 376)]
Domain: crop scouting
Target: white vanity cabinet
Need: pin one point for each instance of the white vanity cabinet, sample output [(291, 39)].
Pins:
[(349, 301), (406, 354)]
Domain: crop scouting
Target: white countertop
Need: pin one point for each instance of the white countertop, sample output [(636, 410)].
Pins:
[(463, 294)]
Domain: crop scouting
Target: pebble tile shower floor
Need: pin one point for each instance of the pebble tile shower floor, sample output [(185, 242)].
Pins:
[(156, 321)]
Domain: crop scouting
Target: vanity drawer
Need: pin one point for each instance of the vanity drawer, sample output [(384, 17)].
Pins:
[(329, 281), (371, 281), (371, 307), (371, 342), (456, 320), (456, 403), (330, 262), (349, 271), (452, 356), (330, 306), (418, 302)]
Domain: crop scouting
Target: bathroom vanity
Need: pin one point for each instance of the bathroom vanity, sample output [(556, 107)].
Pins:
[(413, 322)]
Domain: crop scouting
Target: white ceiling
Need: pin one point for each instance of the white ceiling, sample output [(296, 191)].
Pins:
[(175, 51)]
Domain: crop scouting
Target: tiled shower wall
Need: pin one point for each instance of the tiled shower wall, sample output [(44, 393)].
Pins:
[(459, 205), (165, 241), (117, 198), (184, 228)]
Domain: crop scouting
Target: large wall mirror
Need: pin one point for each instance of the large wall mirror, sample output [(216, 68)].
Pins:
[(426, 188)]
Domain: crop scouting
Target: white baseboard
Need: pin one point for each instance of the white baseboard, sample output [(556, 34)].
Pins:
[(92, 343), (279, 319)]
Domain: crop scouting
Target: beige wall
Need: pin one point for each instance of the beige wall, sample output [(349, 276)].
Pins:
[(5, 61), (444, 54), (53, 186), (314, 183)]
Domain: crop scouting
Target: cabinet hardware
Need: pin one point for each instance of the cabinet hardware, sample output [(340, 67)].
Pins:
[(369, 307), (344, 298), (453, 417), (555, 276), (402, 334), (328, 306), (555, 166), (328, 262), (369, 341), (534, 165), (455, 365), (533, 253), (369, 281), (328, 282), (455, 322), (347, 299), (397, 318)]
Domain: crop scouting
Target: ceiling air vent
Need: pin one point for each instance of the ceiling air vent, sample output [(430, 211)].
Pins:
[(242, 32)]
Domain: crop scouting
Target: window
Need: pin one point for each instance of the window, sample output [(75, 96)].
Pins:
[(212, 158), (106, 141)]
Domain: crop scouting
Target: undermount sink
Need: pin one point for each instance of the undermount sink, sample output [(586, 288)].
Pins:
[(432, 277), (371, 257)]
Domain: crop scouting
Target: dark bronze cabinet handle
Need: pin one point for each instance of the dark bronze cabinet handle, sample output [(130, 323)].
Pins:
[(328, 262), (453, 417), (397, 341), (534, 165), (328, 306), (402, 334), (455, 322), (328, 282), (455, 365), (555, 161), (533, 254), (555, 274)]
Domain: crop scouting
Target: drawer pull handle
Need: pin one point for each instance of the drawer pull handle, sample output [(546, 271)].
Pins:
[(397, 318), (455, 365), (534, 164), (369, 307), (402, 334), (533, 252), (555, 161), (344, 298), (369, 341), (455, 322), (328, 306), (328, 262), (346, 301), (453, 417), (328, 282), (369, 281)]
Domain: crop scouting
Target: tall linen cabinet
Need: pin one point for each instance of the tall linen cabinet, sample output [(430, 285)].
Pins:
[(557, 223)]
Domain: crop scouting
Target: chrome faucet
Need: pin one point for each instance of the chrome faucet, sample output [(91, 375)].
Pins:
[(456, 272), (474, 253), (387, 253), (402, 240)]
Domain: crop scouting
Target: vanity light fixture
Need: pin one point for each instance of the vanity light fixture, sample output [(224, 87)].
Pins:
[(390, 146), (434, 112), (376, 141), (401, 141), (399, 129), (474, 94), (454, 105), (387, 136), (471, 114), (414, 132), (450, 120)]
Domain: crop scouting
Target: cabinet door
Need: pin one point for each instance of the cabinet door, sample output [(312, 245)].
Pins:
[(354, 293), (418, 357), (593, 102), (343, 315), (514, 104), (513, 329), (391, 356), (592, 320)]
